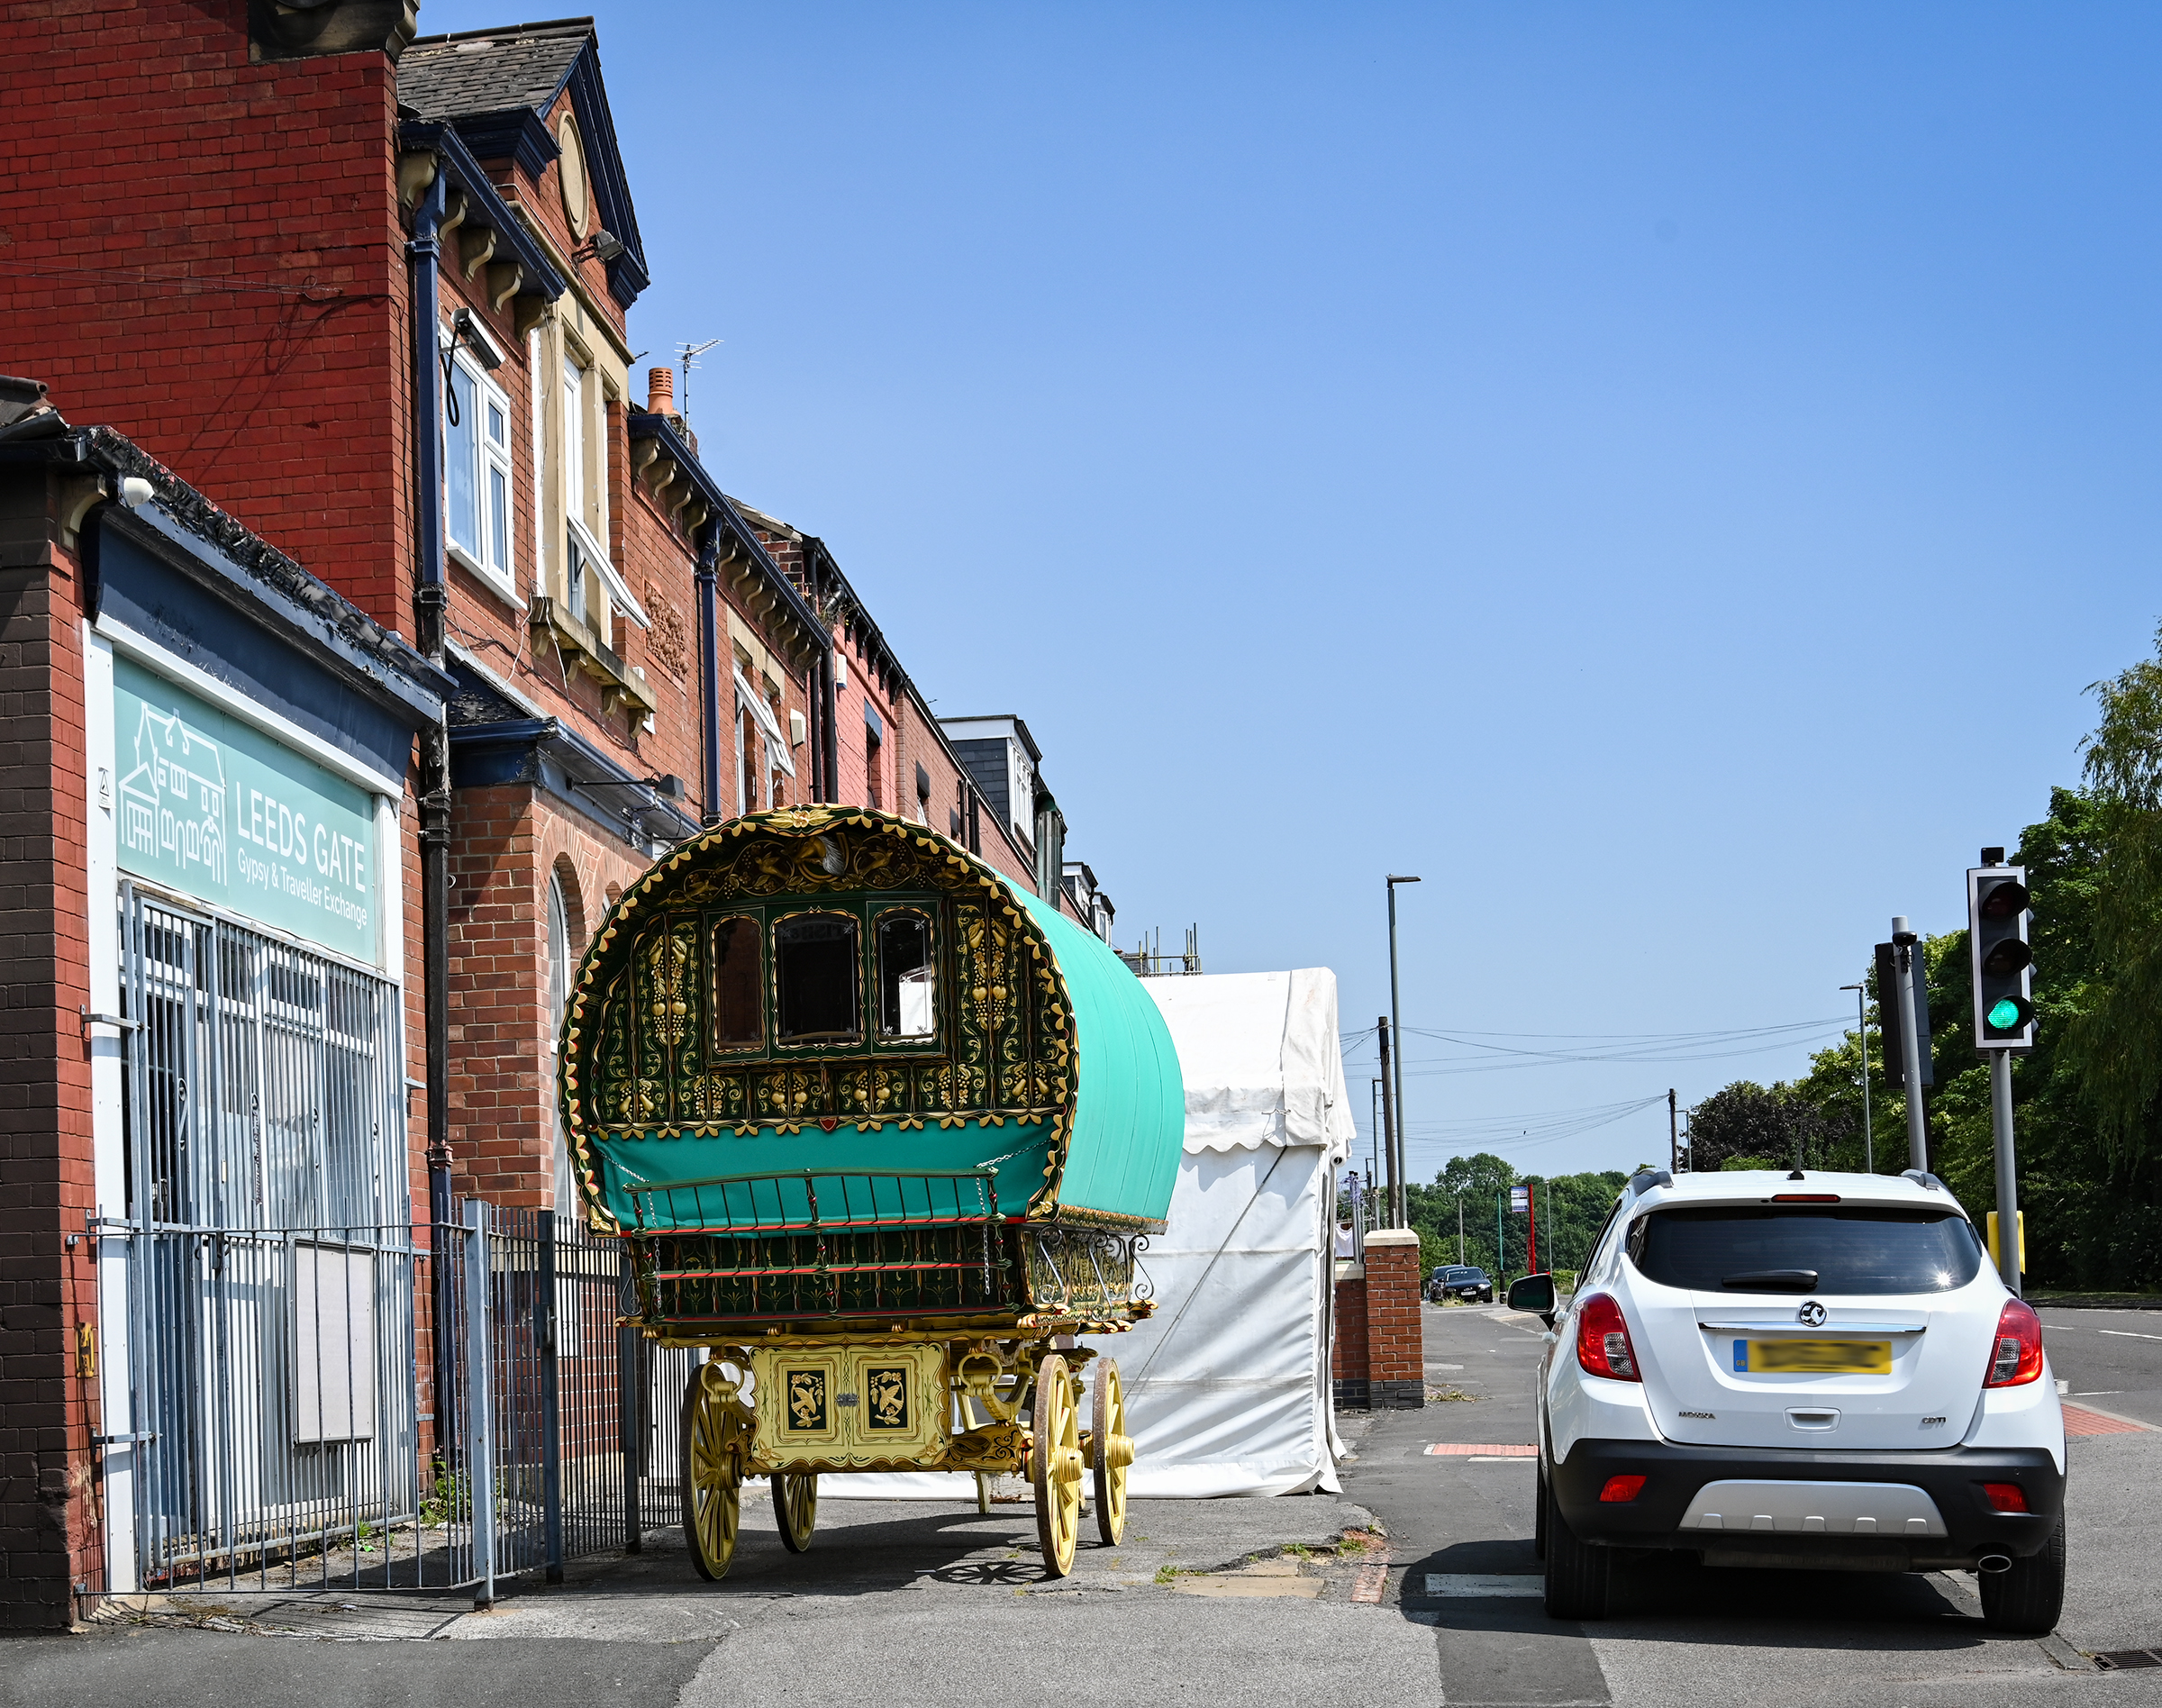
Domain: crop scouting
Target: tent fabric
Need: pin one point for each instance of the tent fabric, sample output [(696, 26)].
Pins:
[(1228, 1384)]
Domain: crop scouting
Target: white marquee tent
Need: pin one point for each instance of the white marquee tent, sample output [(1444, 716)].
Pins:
[(1228, 1383)]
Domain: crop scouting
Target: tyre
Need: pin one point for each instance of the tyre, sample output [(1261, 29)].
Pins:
[(1539, 1515), (2027, 1598), (1578, 1575)]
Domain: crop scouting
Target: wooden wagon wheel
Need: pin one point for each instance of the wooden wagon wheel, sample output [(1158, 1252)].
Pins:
[(715, 1441), (1054, 1464), (1111, 1450), (796, 1507)]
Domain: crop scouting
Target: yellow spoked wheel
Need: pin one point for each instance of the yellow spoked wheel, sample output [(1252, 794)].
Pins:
[(1054, 1464), (796, 1507), (715, 1439), (1110, 1450)]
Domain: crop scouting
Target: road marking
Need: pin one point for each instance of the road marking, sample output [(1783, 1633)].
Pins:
[(1467, 1449), (2130, 1334), (1444, 1585), (2099, 1394)]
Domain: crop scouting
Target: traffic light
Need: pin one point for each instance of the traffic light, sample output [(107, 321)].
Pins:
[(1889, 1019), (2002, 962)]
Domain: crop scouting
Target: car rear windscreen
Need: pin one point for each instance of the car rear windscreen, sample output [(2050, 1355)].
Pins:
[(1805, 1248)]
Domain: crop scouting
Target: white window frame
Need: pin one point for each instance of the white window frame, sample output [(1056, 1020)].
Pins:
[(496, 560)]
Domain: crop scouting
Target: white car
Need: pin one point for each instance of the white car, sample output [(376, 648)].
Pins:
[(1775, 1369)]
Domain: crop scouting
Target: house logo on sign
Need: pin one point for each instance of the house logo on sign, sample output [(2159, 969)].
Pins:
[(172, 804)]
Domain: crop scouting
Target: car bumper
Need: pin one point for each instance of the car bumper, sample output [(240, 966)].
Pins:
[(1672, 1476)]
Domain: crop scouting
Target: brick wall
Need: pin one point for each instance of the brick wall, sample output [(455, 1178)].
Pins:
[(206, 255), (50, 1536), (1379, 1358)]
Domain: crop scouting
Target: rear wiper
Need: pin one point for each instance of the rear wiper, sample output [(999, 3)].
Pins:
[(1774, 1281)]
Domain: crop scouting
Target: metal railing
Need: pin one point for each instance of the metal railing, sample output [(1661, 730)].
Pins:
[(281, 1433), (790, 1245)]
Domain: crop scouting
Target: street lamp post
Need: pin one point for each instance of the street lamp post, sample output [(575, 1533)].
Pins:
[(1861, 1037), (1402, 1207)]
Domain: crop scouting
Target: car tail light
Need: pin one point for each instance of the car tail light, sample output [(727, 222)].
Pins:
[(2005, 1497), (1602, 1340), (2016, 1354), (1625, 1488)]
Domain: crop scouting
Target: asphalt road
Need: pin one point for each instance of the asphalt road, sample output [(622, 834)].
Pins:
[(2110, 1361), (1746, 1637)]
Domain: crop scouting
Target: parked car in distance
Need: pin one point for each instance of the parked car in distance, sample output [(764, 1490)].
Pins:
[(1766, 1369), (1460, 1281)]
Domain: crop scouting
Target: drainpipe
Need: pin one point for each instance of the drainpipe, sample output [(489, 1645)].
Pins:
[(828, 697), (709, 671), (430, 601)]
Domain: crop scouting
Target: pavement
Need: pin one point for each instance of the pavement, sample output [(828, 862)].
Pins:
[(1416, 1586)]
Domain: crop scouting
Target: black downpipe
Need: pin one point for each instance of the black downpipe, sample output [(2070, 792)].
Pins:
[(830, 711), (709, 673), (429, 600)]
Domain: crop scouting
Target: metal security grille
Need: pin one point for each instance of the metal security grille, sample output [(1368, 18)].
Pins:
[(266, 1086), (272, 1272)]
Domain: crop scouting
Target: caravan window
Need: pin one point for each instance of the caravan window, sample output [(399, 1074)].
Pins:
[(814, 963), (907, 979), (739, 995)]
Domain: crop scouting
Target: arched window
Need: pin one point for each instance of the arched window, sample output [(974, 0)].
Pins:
[(560, 952)]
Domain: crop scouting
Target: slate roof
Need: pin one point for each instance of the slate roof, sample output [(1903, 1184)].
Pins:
[(478, 71)]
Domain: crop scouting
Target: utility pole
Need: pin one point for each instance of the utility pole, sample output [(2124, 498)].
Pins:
[(1674, 1134), (1389, 1129), (1904, 942), (1861, 1037), (1459, 1229), (1403, 1202)]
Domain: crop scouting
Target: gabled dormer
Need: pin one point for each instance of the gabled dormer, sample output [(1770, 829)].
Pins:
[(532, 94)]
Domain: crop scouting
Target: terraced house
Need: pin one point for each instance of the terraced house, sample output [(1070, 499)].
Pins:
[(380, 625)]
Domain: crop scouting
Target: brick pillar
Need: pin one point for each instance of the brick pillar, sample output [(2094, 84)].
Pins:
[(50, 1535), (1348, 1357), (1396, 1352)]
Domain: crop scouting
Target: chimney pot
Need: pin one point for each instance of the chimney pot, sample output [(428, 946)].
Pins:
[(660, 386)]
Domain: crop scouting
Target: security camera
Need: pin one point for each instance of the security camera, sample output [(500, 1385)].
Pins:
[(136, 492)]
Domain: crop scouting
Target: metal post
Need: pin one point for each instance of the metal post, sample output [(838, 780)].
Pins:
[(1861, 1037), (629, 1415), (1389, 1128), (551, 1419), (480, 1455), (1918, 1128), (2008, 1183), (1459, 1229), (1402, 1194), (1673, 1135)]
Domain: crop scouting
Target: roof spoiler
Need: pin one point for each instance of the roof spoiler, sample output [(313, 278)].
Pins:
[(1645, 1179), (1922, 1177)]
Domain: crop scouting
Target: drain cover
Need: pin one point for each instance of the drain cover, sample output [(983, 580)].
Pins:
[(2115, 1658)]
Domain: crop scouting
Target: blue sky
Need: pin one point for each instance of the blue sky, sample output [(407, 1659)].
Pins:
[(1665, 475)]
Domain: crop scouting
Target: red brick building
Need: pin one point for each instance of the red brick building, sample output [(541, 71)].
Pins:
[(352, 306)]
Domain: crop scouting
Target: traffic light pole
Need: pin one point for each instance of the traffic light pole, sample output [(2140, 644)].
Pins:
[(1910, 1046), (2008, 1179)]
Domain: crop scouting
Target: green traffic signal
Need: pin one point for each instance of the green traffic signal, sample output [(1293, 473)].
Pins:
[(2005, 1015)]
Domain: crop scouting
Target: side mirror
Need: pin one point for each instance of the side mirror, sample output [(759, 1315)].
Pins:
[(1535, 1293)]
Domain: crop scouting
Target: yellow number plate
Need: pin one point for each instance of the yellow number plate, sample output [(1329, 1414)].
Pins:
[(1819, 1358)]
